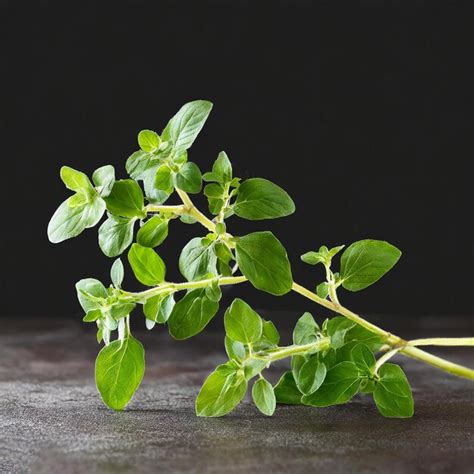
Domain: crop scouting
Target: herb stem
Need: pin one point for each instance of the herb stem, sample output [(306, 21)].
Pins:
[(193, 211), (177, 210), (443, 341)]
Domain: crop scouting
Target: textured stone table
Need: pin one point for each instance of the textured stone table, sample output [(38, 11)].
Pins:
[(52, 420)]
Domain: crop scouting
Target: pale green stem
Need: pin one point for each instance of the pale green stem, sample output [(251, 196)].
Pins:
[(193, 211), (442, 341), (385, 358), (177, 210)]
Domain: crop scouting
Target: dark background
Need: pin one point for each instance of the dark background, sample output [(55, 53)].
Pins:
[(361, 110)]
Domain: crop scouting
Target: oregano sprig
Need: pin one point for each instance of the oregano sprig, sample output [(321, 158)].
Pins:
[(329, 363)]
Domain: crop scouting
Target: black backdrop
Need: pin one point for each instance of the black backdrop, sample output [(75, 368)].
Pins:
[(361, 110)]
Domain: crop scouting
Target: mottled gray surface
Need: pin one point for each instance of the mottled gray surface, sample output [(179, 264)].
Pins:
[(52, 420)]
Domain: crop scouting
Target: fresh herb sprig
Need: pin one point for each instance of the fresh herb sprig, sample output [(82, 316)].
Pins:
[(330, 363)]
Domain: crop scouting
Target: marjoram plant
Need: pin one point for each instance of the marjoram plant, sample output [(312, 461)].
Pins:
[(330, 363)]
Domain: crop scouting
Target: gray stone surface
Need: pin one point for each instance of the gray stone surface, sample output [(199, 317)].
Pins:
[(52, 419)]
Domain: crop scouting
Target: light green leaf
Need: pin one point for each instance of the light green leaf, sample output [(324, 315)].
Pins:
[(185, 126), (189, 178), (213, 291), (270, 335), (141, 164), (191, 314), (104, 179), (92, 315), (313, 258), (337, 328), (311, 375), (365, 262), (153, 233), (263, 260), (261, 199), (158, 308), (119, 370), (76, 181), (147, 265), (148, 140), (242, 323), (222, 391), (121, 309), (164, 178), (306, 330), (115, 235), (234, 349), (392, 393), (68, 222), (322, 290), (197, 260), (126, 199), (286, 391), (117, 273), (264, 397), (340, 385), (363, 357), (221, 170), (89, 292)]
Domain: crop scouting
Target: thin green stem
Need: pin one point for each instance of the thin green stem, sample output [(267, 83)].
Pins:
[(193, 211), (442, 341), (387, 356), (177, 210)]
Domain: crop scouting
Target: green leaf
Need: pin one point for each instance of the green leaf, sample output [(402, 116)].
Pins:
[(306, 330), (76, 180), (197, 260), (185, 126), (311, 375), (89, 292), (115, 235), (365, 262), (337, 328), (213, 291), (261, 199), (92, 315), (149, 140), (191, 314), (117, 273), (392, 393), (126, 199), (221, 170), (313, 258), (104, 179), (189, 178), (340, 385), (147, 265), (121, 309), (141, 164), (242, 323), (153, 233), (286, 391), (270, 335), (263, 260), (234, 349), (158, 308), (164, 178), (264, 397), (322, 290), (253, 367), (119, 370), (68, 222), (363, 357), (222, 391)]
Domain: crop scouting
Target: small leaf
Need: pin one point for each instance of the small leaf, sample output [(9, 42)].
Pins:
[(117, 273), (234, 349), (286, 391), (104, 179), (337, 328), (191, 314), (153, 232), (141, 164), (148, 140), (366, 261), (264, 261), (213, 291), (121, 309), (189, 178), (392, 393), (126, 199), (158, 308), (322, 290), (221, 170), (197, 260), (264, 397), (222, 391), (363, 357), (119, 370), (261, 199), (92, 315), (185, 126), (311, 375), (313, 258), (76, 180), (164, 178), (115, 235), (306, 330), (340, 385), (147, 265), (89, 292), (242, 323), (270, 335)]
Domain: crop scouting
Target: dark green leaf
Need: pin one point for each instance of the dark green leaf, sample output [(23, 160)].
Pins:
[(147, 265), (306, 330), (164, 178), (264, 397), (322, 290), (115, 235), (311, 375), (392, 393), (337, 329), (286, 391), (364, 359), (263, 260), (189, 178), (366, 261), (197, 260), (340, 385), (126, 199), (119, 370), (153, 233), (242, 323), (191, 314), (261, 199)]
